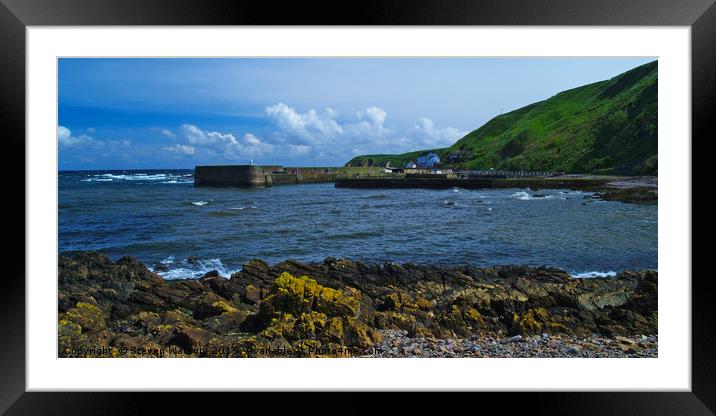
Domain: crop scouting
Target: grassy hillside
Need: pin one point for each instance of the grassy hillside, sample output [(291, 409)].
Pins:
[(604, 127), (394, 160)]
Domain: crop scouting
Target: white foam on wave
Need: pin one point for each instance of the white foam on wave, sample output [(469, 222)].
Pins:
[(200, 203), (521, 195), (183, 269), (97, 180), (243, 208), (165, 178), (593, 274), (137, 176), (525, 196)]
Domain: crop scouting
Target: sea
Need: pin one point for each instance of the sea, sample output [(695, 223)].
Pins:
[(159, 217)]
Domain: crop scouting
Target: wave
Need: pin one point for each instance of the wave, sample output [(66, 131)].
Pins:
[(244, 208), (165, 178), (172, 268), (136, 176), (593, 274), (524, 196), (200, 203)]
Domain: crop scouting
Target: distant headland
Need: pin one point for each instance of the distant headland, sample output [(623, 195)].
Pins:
[(607, 127)]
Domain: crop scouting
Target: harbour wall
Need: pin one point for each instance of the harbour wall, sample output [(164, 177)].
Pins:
[(246, 176), (243, 176), (264, 176)]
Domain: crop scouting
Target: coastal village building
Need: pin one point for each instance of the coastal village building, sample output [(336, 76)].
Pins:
[(428, 160), (411, 165)]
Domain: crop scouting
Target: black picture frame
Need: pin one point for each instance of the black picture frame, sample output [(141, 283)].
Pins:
[(16, 15)]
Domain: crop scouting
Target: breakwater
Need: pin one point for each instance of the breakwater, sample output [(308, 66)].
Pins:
[(266, 176), (249, 176), (232, 176)]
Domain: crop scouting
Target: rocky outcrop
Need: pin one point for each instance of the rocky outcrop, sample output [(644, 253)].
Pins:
[(337, 308)]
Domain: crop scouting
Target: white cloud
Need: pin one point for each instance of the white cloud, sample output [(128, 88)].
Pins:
[(65, 138), (164, 132), (426, 134), (310, 127), (181, 149), (194, 134), (63, 133), (167, 133), (375, 115), (86, 149), (313, 135), (225, 144), (298, 149), (251, 139)]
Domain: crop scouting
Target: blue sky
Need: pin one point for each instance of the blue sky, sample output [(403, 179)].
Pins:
[(177, 113)]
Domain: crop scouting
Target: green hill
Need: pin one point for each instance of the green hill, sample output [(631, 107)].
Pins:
[(604, 127)]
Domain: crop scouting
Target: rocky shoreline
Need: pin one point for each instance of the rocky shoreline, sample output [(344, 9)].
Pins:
[(342, 308), (634, 190), (643, 190), (397, 343)]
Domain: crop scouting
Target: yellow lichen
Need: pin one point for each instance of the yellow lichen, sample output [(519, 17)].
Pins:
[(393, 301), (334, 330), (333, 302), (329, 295), (163, 329), (359, 334), (282, 326), (534, 321), (287, 284), (87, 315), (311, 287), (423, 303), (68, 327), (475, 316), (223, 306), (310, 323)]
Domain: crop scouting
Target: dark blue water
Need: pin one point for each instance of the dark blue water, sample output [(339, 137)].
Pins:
[(160, 217)]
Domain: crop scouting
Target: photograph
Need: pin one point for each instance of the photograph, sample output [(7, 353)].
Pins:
[(427, 197), (357, 207)]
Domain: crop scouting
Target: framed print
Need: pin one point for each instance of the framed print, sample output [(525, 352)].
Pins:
[(406, 198)]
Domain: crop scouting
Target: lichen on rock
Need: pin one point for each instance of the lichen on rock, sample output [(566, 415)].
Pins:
[(295, 309)]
